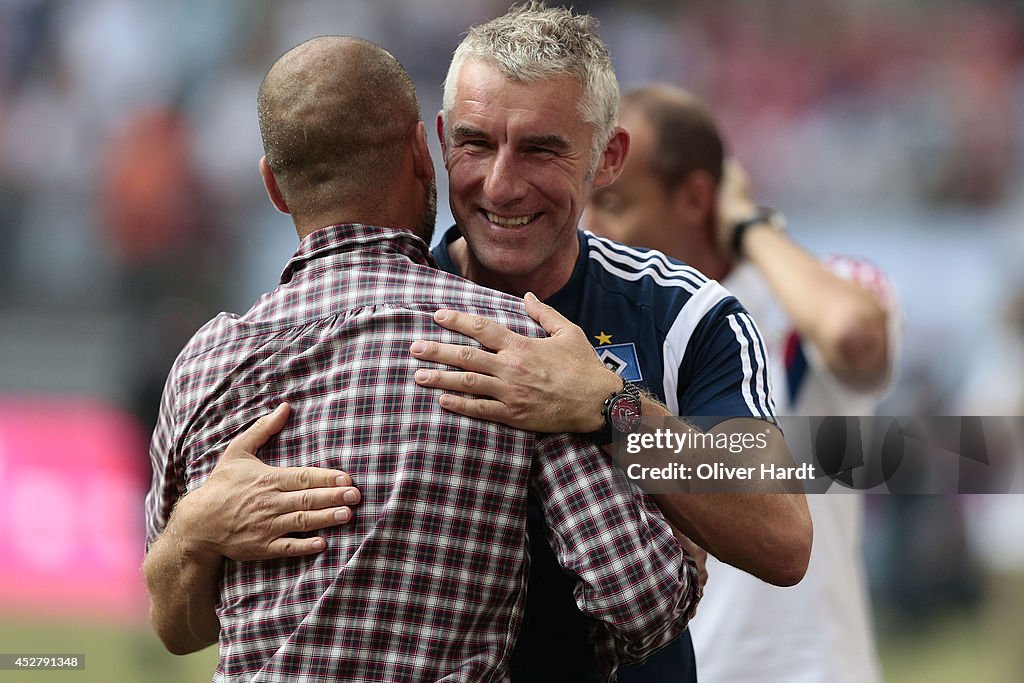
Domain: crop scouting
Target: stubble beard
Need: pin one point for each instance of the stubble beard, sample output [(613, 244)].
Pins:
[(425, 229)]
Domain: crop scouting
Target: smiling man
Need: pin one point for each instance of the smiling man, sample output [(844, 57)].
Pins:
[(520, 169), (528, 131)]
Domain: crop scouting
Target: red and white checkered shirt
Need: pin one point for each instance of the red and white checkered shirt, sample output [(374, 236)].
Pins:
[(427, 582)]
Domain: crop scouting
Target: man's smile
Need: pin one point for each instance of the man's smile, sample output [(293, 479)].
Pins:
[(509, 221)]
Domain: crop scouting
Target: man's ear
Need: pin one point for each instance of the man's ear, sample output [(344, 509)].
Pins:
[(423, 165), (273, 191), (440, 136), (695, 197), (613, 158)]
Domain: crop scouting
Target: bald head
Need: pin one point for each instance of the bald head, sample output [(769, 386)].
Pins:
[(686, 137), (335, 114)]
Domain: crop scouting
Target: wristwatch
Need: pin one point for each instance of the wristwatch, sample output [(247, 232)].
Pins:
[(764, 216), (622, 414)]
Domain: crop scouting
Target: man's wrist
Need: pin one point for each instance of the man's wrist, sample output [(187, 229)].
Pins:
[(184, 530), (621, 413), (763, 217), (610, 383)]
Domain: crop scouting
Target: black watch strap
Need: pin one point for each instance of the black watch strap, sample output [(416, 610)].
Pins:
[(764, 216), (621, 412)]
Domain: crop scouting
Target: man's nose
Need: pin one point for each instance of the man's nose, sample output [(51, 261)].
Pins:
[(505, 181)]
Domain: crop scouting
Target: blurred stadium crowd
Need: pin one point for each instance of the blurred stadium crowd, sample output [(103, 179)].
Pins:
[(131, 209)]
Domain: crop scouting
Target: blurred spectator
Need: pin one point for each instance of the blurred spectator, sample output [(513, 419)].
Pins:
[(155, 215), (149, 191)]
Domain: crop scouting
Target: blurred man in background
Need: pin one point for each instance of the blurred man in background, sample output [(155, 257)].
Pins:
[(830, 332)]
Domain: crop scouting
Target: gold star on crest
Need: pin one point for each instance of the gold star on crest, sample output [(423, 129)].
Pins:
[(603, 338)]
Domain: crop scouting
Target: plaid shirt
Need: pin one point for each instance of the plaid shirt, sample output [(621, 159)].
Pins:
[(427, 582)]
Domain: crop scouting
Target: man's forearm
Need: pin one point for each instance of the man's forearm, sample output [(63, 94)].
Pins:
[(183, 582), (765, 529), (644, 592), (843, 320), (766, 535)]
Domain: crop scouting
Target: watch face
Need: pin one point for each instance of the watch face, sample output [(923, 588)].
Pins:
[(625, 414)]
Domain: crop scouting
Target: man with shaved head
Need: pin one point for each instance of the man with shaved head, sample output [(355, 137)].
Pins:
[(336, 115), (427, 581)]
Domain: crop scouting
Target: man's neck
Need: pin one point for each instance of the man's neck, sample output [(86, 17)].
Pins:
[(307, 224), (543, 284)]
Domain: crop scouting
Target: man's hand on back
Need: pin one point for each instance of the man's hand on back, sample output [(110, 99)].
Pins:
[(246, 509), (555, 384)]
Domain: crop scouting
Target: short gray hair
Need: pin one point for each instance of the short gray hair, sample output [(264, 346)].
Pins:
[(532, 42)]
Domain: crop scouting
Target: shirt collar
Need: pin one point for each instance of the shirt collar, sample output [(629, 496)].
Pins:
[(441, 253), (565, 297), (357, 237)]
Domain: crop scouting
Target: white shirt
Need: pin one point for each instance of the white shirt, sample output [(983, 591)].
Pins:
[(819, 631)]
